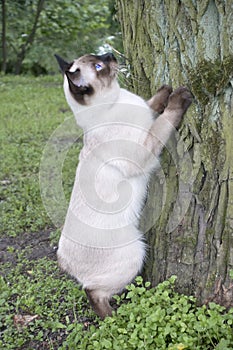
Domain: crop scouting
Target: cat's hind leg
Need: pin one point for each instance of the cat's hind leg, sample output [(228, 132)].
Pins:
[(99, 303)]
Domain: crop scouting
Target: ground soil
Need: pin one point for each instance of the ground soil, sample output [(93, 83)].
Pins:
[(34, 245)]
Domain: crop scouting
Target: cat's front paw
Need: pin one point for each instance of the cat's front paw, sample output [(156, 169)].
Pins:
[(160, 100), (180, 100)]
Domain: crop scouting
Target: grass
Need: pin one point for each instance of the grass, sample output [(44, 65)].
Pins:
[(38, 289), (31, 109), (40, 307)]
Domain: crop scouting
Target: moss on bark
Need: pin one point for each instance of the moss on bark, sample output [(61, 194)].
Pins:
[(209, 79)]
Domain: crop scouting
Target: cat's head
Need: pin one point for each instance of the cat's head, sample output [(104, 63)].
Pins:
[(88, 77)]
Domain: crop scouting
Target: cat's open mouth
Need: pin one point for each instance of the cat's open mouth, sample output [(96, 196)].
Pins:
[(83, 89)]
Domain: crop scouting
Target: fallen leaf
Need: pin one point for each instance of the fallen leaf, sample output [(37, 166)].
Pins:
[(21, 321)]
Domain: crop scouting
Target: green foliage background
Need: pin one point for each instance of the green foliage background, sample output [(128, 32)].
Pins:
[(69, 28)]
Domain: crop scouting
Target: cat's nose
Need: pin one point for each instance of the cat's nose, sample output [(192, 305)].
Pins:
[(107, 57), (110, 56)]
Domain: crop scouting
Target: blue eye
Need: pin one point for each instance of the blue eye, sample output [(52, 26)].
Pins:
[(98, 67)]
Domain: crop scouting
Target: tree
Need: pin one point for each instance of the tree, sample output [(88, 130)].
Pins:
[(4, 53), (25, 47), (189, 43)]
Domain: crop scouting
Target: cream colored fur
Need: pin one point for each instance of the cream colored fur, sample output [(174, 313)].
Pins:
[(105, 250), (101, 245)]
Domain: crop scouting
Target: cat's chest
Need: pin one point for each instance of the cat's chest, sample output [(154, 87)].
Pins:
[(111, 141)]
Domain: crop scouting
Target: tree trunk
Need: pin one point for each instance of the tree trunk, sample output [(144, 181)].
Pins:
[(4, 52), (26, 46), (190, 204)]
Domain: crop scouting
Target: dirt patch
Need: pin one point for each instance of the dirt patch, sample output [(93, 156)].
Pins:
[(34, 245)]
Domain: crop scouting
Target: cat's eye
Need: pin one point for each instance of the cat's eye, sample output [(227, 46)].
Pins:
[(98, 67)]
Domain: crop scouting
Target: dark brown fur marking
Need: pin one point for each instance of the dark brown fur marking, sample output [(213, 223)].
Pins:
[(100, 305), (160, 100), (180, 100), (78, 92)]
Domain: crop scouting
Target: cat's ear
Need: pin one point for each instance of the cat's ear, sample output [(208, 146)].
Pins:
[(64, 66)]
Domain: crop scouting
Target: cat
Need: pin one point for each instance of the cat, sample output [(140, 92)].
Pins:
[(101, 244)]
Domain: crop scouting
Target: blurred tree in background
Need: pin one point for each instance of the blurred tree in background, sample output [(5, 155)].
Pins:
[(33, 30)]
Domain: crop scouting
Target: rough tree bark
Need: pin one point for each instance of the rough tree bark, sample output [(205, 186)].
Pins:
[(189, 43)]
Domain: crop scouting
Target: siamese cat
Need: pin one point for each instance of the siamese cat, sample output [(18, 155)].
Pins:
[(101, 244)]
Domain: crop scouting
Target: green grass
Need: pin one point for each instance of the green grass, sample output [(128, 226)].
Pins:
[(31, 110), (38, 289)]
